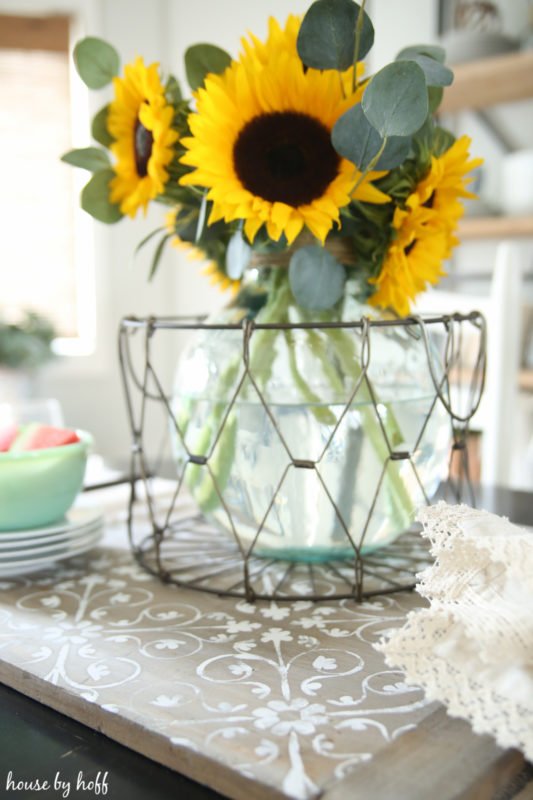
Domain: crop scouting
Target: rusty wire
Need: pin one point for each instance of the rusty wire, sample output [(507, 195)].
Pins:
[(171, 548)]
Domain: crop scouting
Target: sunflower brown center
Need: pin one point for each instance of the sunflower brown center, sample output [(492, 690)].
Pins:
[(285, 157), (143, 141), (429, 202)]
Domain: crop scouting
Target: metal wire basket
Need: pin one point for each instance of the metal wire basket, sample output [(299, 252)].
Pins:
[(172, 540)]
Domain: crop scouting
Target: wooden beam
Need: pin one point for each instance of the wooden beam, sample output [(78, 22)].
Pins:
[(34, 33), (495, 227), (483, 83), (525, 379)]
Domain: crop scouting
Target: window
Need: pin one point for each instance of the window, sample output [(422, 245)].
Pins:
[(38, 260)]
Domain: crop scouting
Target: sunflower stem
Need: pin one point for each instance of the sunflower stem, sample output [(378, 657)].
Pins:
[(336, 351), (368, 169), (345, 350), (262, 356), (358, 29)]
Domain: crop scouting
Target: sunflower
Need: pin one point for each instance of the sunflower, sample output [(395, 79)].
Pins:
[(261, 141), (443, 185), (413, 260), (424, 230), (140, 120), (217, 276)]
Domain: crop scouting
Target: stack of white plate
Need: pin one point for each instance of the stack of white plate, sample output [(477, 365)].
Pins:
[(28, 550)]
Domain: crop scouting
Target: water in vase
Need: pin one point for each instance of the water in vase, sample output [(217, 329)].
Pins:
[(311, 482)]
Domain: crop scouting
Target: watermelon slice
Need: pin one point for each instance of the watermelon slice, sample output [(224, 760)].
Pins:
[(37, 436), (8, 434)]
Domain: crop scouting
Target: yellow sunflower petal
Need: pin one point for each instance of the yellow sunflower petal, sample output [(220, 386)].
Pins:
[(251, 226)]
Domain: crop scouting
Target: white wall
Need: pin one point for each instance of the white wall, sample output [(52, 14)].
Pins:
[(400, 24)]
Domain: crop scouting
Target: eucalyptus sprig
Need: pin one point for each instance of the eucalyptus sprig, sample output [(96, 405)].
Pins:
[(377, 133)]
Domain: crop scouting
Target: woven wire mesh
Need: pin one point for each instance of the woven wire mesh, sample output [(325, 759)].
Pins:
[(172, 540)]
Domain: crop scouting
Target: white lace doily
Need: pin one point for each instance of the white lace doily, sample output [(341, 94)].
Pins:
[(472, 649)]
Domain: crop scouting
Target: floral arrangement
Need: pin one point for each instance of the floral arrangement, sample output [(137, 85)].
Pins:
[(289, 149)]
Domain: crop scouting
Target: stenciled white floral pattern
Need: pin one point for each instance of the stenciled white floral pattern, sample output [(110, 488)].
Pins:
[(290, 694)]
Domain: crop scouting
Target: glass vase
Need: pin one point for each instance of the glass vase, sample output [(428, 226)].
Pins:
[(303, 435)]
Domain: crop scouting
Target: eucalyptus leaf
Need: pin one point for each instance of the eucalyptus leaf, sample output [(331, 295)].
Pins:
[(395, 102), (316, 278), (434, 51), (201, 59), (173, 90), (437, 74), (91, 158), (237, 256), (99, 128), (97, 62), (435, 94), (326, 39), (354, 138), (95, 198)]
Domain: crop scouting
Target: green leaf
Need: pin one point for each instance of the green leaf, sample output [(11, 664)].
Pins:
[(442, 141), (97, 62), (435, 94), (237, 256), (173, 90), (175, 194), (436, 74), (432, 50), (395, 102), (99, 128), (186, 224), (316, 278), (91, 158), (201, 59), (157, 255), (424, 136), (354, 138), (95, 198), (147, 238), (326, 39)]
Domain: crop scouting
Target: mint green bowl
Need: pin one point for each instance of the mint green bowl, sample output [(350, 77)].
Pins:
[(38, 486)]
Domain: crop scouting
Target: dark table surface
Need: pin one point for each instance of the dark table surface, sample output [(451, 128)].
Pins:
[(37, 743)]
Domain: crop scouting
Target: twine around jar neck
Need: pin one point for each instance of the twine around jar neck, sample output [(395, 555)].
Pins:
[(339, 246)]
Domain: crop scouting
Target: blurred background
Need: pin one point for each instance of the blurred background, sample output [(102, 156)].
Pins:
[(68, 280)]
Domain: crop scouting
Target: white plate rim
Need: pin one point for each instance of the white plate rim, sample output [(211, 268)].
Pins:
[(29, 546), (18, 567), (17, 557), (71, 522)]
